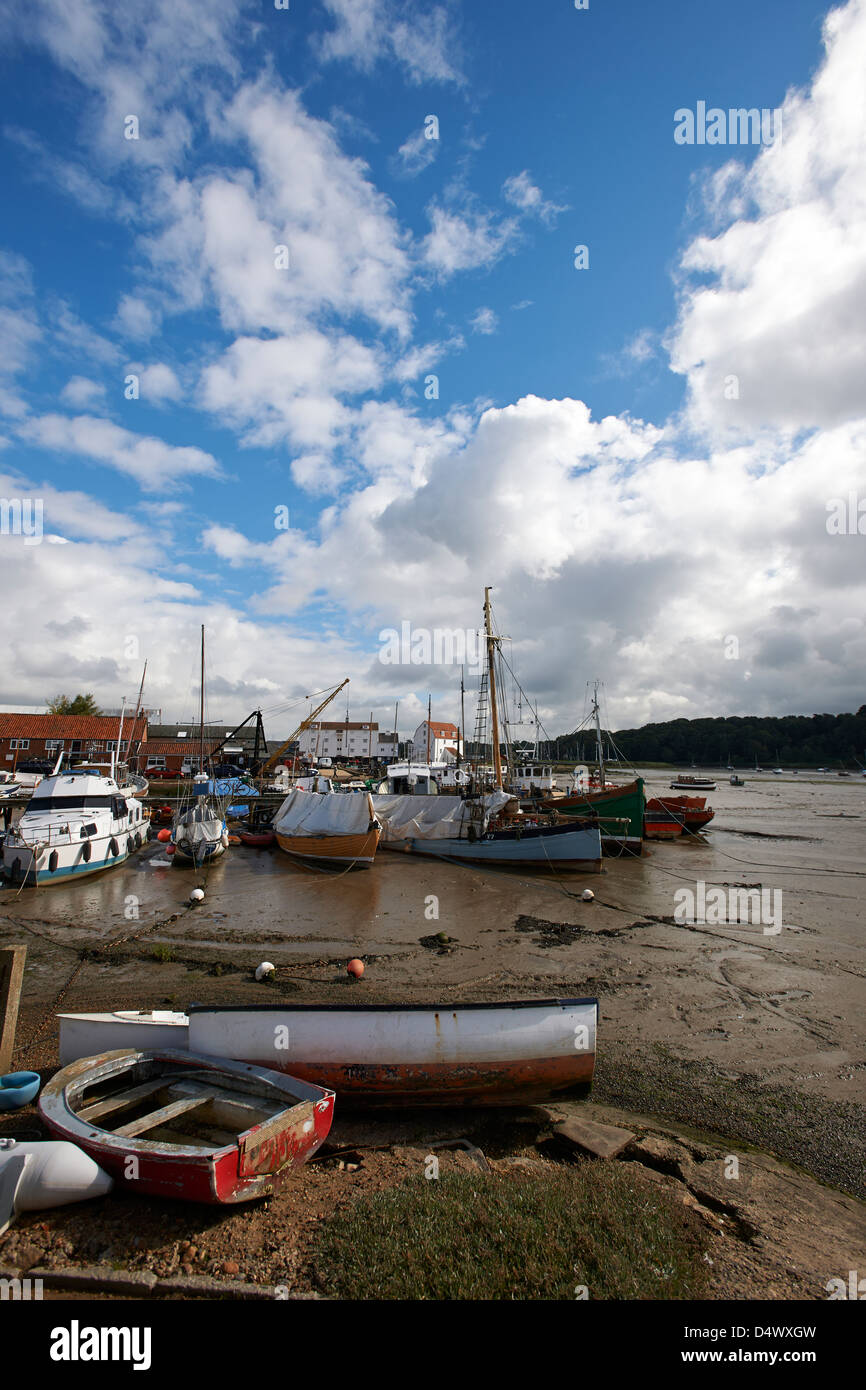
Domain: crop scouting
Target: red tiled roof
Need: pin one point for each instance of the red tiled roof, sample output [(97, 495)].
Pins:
[(440, 730), (169, 747), (95, 726)]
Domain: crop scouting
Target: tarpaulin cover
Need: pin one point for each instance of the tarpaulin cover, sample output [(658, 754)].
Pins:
[(315, 813), (432, 817)]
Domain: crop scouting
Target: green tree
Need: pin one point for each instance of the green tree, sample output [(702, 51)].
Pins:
[(81, 704)]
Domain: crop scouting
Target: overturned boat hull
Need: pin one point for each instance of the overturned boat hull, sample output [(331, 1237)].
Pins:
[(415, 1055), (332, 849)]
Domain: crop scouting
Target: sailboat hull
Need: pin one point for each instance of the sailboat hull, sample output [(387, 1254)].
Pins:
[(554, 847)]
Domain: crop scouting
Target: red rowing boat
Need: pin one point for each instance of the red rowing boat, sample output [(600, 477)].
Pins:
[(179, 1124)]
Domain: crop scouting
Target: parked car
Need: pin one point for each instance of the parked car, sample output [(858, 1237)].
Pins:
[(161, 774), (229, 770)]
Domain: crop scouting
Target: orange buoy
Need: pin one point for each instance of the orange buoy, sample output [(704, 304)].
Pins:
[(171, 849), (163, 835), (356, 968)]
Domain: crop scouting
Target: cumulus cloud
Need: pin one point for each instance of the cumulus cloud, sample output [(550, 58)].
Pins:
[(484, 321), (365, 32), (770, 324), (520, 191), (464, 239)]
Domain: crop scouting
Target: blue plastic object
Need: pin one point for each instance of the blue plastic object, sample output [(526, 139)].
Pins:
[(18, 1088)]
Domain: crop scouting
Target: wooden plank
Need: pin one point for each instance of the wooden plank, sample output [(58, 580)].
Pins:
[(11, 979), (231, 1109), (161, 1116), (122, 1101)]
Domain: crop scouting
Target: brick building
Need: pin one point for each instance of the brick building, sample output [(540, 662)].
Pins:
[(83, 736)]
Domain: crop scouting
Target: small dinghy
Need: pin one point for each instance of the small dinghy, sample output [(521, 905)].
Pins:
[(198, 1128)]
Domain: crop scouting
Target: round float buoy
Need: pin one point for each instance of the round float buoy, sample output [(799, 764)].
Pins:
[(587, 895), (264, 970), (355, 968), (163, 835), (197, 895), (53, 860), (171, 849)]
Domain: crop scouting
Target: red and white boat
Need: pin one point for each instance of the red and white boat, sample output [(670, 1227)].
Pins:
[(692, 812), (415, 1054), (178, 1124)]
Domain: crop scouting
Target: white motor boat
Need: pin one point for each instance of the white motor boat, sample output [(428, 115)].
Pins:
[(76, 823)]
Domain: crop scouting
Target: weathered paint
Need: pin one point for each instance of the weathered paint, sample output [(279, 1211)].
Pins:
[(250, 1167)]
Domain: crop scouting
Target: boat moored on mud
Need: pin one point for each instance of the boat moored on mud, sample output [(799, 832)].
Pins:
[(75, 823)]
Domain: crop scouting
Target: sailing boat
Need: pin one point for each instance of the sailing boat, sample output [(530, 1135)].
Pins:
[(618, 808), (198, 831), (485, 829)]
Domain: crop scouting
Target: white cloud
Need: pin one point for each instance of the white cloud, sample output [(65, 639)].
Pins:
[(159, 384), (484, 321), (81, 392), (415, 154), (155, 465), (367, 31), (778, 298), (465, 240), (136, 318), (521, 192)]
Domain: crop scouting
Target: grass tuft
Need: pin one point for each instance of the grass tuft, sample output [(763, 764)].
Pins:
[(515, 1236)]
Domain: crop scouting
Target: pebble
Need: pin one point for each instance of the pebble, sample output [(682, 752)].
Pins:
[(231, 1267)]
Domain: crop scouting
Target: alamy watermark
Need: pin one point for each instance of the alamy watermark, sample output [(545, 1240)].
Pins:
[(846, 516), (737, 126), (715, 906), (438, 646), (21, 516)]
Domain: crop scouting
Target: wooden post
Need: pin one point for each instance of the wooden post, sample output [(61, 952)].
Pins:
[(11, 979)]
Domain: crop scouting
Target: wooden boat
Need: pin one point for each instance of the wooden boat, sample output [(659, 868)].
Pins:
[(416, 1054), (685, 782), (199, 1128), (84, 1035), (692, 811), (260, 839), (618, 808), (328, 828), (661, 825)]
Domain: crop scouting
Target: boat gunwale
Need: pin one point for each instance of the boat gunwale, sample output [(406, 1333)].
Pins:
[(387, 1008)]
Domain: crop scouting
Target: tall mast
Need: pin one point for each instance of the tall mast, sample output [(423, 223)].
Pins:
[(429, 706), (116, 759), (491, 666), (461, 735), (599, 749), (135, 720), (201, 710), (396, 735)]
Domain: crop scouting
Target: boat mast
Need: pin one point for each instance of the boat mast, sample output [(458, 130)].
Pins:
[(115, 760), (201, 710), (461, 734), (494, 716), (429, 710), (599, 748)]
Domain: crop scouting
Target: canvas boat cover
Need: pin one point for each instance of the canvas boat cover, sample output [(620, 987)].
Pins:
[(317, 813), (432, 817)]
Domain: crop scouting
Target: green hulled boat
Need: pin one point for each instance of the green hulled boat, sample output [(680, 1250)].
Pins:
[(619, 808)]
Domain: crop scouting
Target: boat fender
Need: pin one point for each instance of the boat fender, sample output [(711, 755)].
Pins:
[(86, 851), (53, 860), (472, 834), (138, 839), (113, 848)]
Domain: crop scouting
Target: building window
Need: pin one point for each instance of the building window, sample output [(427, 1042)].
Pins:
[(19, 743), (53, 745)]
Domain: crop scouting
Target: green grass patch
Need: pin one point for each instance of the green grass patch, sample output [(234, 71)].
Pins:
[(515, 1236), (163, 954)]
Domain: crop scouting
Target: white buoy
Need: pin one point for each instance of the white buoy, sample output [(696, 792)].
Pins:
[(587, 895), (197, 895), (51, 1173), (264, 969)]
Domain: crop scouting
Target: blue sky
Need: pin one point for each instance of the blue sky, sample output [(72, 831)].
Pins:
[(562, 445)]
